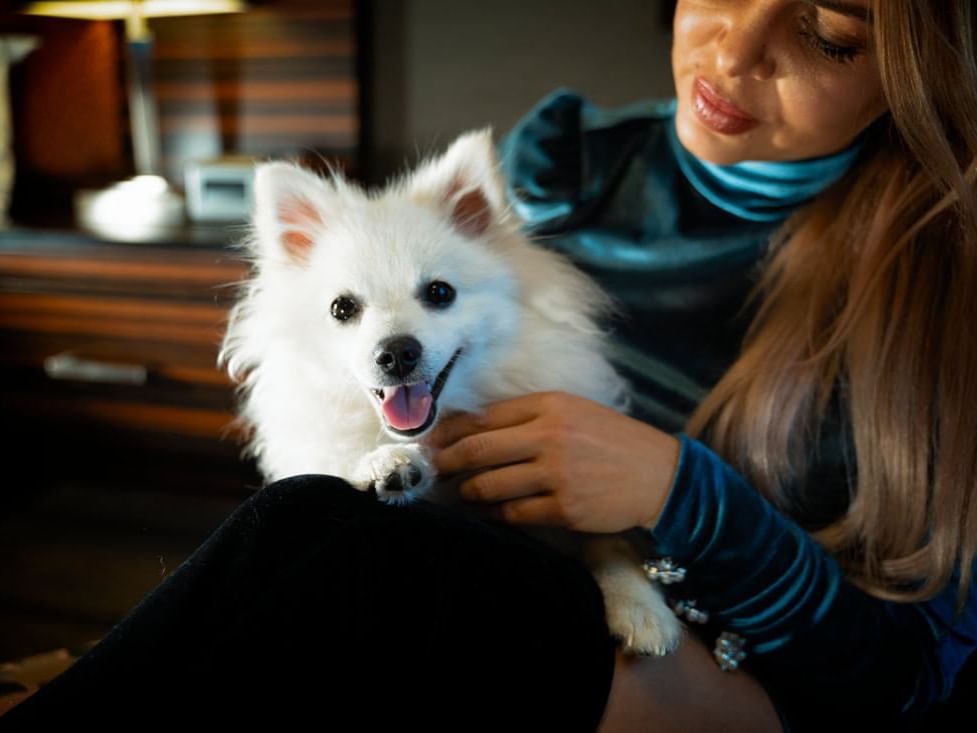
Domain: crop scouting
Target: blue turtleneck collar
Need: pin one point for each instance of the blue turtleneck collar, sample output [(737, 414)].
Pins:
[(761, 190)]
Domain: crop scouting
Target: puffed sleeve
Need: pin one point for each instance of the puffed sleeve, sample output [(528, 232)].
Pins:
[(541, 159), (564, 160), (819, 644)]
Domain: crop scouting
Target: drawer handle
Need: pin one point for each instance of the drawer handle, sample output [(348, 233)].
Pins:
[(71, 367)]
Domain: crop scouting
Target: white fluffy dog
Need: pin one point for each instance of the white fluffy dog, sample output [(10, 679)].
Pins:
[(368, 316)]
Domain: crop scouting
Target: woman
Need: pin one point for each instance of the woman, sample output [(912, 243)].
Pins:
[(848, 409)]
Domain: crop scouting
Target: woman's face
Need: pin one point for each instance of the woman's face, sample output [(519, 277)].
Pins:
[(773, 79)]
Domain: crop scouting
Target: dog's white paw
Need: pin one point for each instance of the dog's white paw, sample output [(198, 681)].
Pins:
[(396, 473), (638, 615)]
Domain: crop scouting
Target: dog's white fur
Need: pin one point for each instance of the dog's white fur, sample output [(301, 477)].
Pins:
[(524, 319)]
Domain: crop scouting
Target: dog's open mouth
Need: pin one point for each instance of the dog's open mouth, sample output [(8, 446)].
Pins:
[(410, 409)]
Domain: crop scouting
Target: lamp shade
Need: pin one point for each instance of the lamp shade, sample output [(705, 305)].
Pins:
[(148, 197), (119, 9)]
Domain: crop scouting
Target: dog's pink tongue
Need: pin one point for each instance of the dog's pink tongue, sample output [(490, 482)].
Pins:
[(407, 407)]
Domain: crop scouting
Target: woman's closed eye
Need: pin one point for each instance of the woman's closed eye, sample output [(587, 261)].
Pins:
[(818, 38)]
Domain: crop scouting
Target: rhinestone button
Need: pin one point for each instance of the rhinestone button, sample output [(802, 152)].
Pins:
[(664, 571), (729, 651), (690, 612)]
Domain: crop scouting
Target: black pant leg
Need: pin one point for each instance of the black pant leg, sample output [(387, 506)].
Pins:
[(315, 602)]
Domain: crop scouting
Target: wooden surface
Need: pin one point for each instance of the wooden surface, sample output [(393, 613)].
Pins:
[(109, 486), (160, 309)]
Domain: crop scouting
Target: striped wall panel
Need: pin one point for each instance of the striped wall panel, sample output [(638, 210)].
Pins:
[(278, 80)]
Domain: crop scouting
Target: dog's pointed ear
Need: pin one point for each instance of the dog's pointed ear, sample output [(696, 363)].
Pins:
[(465, 183), (289, 210)]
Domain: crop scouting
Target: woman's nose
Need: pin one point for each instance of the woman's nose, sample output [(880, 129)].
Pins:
[(744, 46)]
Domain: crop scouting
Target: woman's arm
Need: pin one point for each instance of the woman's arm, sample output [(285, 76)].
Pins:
[(816, 642)]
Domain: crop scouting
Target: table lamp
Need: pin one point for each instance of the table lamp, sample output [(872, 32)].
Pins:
[(146, 202), (12, 49)]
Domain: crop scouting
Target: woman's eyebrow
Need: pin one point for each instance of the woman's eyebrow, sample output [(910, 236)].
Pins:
[(850, 9)]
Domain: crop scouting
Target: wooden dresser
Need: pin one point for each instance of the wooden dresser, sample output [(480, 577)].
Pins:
[(108, 354)]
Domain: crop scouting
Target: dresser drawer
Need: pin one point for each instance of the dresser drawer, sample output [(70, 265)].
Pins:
[(109, 348), (105, 358)]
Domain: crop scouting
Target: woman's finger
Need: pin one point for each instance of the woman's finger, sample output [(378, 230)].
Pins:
[(541, 510), (485, 450), (450, 430), (504, 484), (503, 414)]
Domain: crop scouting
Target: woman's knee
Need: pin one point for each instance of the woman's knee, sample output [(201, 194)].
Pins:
[(313, 492)]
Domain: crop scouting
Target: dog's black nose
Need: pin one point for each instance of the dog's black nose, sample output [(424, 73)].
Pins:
[(399, 355)]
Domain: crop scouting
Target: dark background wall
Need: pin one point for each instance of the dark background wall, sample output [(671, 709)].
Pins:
[(440, 67)]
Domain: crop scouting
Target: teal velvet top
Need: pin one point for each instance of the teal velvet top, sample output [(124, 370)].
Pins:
[(605, 188)]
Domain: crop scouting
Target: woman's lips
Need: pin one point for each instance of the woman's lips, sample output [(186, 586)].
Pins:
[(717, 113)]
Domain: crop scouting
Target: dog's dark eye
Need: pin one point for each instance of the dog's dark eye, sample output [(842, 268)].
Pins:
[(439, 294), (343, 308)]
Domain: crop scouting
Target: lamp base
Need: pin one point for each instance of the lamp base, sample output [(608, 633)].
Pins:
[(136, 208)]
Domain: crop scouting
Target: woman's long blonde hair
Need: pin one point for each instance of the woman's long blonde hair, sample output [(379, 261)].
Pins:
[(871, 293)]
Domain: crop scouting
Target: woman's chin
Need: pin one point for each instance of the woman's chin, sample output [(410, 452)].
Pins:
[(714, 147)]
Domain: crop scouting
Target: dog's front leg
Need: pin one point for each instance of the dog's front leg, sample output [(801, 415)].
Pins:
[(636, 611), (397, 472)]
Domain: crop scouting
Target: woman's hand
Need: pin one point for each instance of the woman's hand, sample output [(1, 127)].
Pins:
[(556, 459)]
